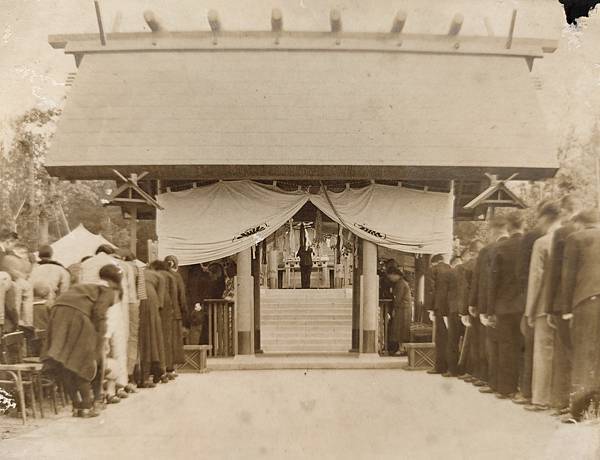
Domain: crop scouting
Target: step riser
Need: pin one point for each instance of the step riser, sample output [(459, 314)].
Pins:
[(306, 321)]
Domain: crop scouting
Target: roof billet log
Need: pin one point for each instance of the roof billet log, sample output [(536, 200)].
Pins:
[(278, 39)]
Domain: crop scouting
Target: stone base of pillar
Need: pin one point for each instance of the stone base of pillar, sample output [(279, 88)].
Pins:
[(355, 339), (245, 345), (369, 342), (257, 341)]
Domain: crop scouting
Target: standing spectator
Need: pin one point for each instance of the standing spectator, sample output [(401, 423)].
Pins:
[(437, 287), (581, 306), (523, 264), (561, 368), (506, 305), (75, 339), (473, 368), (50, 271), (478, 304), (20, 295), (151, 344), (455, 327), (305, 254), (173, 345), (176, 290), (401, 305), (536, 308)]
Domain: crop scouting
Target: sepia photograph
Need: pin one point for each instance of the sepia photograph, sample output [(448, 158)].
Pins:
[(300, 229)]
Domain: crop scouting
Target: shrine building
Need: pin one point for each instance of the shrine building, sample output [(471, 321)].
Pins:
[(243, 143)]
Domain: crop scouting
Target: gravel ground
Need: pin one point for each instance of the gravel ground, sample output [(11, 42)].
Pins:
[(337, 414)]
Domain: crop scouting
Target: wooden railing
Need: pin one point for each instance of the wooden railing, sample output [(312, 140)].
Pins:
[(221, 327)]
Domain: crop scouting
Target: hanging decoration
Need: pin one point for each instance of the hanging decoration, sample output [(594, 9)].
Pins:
[(319, 229)]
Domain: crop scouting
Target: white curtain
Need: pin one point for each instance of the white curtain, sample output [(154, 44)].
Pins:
[(394, 217), (222, 219)]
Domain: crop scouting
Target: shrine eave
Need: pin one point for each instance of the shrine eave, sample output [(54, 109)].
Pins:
[(301, 172)]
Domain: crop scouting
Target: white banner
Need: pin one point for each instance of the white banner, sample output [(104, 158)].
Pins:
[(219, 220)]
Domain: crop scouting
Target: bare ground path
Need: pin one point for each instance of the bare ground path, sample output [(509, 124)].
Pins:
[(362, 414)]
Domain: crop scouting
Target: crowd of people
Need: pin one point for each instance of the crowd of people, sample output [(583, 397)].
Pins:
[(112, 324), (525, 305)]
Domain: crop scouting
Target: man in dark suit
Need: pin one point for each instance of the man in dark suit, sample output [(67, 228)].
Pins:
[(581, 305), (437, 288), (478, 305), (472, 368), (305, 254), (506, 304), (452, 320), (561, 365)]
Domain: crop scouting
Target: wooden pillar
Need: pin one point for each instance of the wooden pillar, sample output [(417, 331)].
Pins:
[(370, 297), (133, 230), (356, 293), (256, 268), (273, 266), (421, 267), (245, 300)]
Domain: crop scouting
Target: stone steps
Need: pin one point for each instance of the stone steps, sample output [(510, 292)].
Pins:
[(306, 321)]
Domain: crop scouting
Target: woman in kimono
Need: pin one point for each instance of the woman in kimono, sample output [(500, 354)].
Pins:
[(151, 342), (167, 314), (176, 292), (76, 336)]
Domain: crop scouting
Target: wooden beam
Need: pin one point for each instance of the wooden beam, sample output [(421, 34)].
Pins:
[(213, 21), (511, 31), (133, 230), (128, 200), (276, 20), (443, 44), (100, 25), (456, 24), (191, 172), (152, 21), (248, 40), (399, 22)]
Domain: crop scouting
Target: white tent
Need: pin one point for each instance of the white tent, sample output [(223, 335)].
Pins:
[(76, 245)]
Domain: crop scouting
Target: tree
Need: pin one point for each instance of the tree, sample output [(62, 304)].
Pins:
[(28, 195), (578, 175)]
